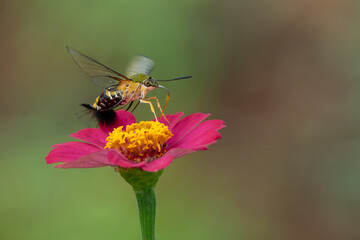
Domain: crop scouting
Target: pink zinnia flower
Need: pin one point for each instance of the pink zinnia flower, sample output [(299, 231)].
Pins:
[(150, 146)]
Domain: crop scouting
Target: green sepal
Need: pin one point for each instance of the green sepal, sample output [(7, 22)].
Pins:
[(140, 179)]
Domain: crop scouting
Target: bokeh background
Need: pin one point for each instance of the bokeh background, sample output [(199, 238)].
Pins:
[(284, 75)]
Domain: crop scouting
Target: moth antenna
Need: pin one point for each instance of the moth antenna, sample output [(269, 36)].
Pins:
[(174, 79)]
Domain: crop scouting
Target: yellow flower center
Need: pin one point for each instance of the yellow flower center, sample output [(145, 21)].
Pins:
[(144, 141)]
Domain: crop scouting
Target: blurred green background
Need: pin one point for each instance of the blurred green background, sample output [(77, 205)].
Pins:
[(284, 75)]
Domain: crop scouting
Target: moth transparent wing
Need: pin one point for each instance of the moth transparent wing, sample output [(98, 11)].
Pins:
[(100, 74), (139, 64)]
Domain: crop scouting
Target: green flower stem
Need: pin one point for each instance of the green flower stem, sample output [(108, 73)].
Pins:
[(143, 184), (146, 200)]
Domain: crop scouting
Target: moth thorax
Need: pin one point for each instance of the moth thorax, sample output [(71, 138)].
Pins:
[(139, 77)]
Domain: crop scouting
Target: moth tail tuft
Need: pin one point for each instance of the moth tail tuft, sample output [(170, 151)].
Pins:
[(102, 116)]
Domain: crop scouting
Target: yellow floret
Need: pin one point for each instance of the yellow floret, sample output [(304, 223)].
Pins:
[(140, 141)]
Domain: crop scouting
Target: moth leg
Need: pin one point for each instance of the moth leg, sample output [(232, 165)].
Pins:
[(135, 106), (151, 107), (127, 109), (159, 106), (157, 101)]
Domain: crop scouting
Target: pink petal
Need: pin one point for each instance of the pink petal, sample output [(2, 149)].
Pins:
[(96, 159), (120, 160), (123, 118), (179, 152), (91, 135), (70, 151), (203, 135), (173, 119), (165, 160), (159, 163), (185, 125)]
